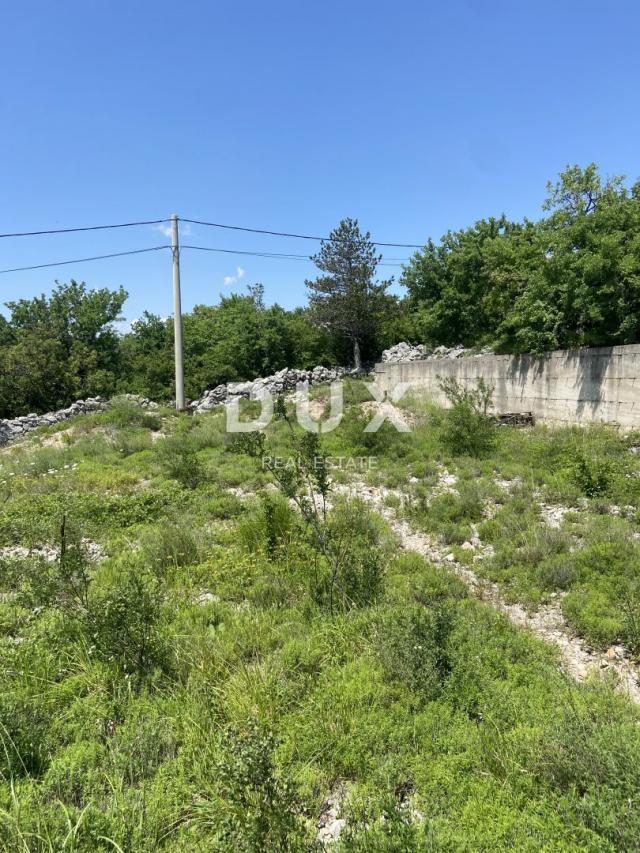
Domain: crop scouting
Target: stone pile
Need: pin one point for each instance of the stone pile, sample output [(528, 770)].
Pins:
[(405, 352), (12, 428), (137, 400), (283, 381)]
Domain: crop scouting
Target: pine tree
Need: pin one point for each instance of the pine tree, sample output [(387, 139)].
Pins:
[(346, 299)]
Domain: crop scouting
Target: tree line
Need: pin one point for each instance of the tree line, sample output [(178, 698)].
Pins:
[(569, 279)]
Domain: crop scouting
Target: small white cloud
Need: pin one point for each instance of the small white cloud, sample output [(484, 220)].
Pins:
[(234, 279), (183, 227)]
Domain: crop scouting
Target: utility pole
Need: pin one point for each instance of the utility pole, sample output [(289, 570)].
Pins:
[(177, 315)]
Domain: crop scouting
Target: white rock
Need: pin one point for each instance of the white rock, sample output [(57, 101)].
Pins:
[(406, 352), (207, 597)]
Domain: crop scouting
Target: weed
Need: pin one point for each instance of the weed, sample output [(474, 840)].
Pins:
[(269, 528), (234, 661), (125, 623), (468, 427), (171, 544), (251, 807), (126, 413), (178, 458), (413, 647)]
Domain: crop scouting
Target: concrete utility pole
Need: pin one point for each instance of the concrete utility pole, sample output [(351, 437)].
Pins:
[(177, 315)]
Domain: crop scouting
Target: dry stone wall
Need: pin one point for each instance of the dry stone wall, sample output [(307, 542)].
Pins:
[(285, 380), (12, 428)]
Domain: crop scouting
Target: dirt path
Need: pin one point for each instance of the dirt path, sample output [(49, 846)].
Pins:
[(547, 622)]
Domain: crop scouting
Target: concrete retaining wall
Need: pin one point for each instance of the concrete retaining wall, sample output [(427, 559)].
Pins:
[(567, 386)]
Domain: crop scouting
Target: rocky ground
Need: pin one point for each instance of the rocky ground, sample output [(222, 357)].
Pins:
[(547, 622)]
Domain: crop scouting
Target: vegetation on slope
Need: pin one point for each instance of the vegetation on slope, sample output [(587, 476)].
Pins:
[(196, 689)]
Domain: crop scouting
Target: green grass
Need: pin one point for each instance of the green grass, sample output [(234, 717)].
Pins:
[(196, 690)]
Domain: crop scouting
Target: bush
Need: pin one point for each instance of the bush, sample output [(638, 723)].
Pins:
[(355, 558), (170, 545), (248, 804), (125, 413), (593, 475), (631, 620), (387, 440), (385, 825), (130, 441), (178, 458), (599, 764), (269, 528), (145, 740), (412, 646), (466, 505), (125, 623), (467, 426), (77, 773), (62, 582), (542, 543), (558, 573), (349, 571)]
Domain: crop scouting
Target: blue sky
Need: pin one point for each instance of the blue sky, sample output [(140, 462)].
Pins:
[(414, 117)]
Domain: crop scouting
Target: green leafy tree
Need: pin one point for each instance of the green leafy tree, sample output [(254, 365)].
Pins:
[(579, 191), (347, 300), (147, 359), (241, 338), (461, 289), (60, 347), (237, 339), (569, 280), (586, 291)]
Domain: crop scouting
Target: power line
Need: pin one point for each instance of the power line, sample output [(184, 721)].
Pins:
[(192, 222), (286, 234), (277, 255), (83, 260), (282, 255), (85, 228)]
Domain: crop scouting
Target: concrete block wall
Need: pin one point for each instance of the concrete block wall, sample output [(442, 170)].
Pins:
[(565, 386)]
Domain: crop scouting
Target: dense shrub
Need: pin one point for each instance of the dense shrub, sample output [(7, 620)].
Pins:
[(412, 645), (246, 802), (125, 621), (178, 458), (355, 557), (598, 765), (593, 475), (467, 426)]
